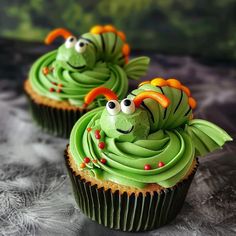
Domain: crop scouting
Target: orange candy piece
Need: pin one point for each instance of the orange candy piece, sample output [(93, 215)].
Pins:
[(158, 97), (192, 102), (186, 90), (159, 82), (109, 94), (122, 35), (126, 49), (144, 82), (174, 83), (55, 34), (109, 28), (97, 29)]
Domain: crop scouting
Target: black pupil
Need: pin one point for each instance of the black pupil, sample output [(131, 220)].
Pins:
[(111, 105), (71, 39), (127, 102), (81, 44)]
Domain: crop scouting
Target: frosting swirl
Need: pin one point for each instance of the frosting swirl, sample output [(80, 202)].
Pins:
[(75, 84), (125, 160)]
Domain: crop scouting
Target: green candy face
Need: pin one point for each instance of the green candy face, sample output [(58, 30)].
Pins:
[(76, 55), (125, 125)]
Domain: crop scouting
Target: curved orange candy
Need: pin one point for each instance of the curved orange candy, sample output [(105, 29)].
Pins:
[(158, 97), (55, 34), (109, 95)]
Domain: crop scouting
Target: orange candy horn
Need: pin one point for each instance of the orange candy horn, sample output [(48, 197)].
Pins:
[(160, 98), (55, 34), (109, 95)]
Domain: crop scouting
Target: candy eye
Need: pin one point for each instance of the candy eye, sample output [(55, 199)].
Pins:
[(113, 107), (127, 106), (70, 42), (80, 46)]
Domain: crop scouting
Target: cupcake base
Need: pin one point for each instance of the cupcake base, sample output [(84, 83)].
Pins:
[(57, 118), (137, 211)]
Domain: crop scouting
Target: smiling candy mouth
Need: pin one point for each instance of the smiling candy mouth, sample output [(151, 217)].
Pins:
[(75, 67), (125, 131)]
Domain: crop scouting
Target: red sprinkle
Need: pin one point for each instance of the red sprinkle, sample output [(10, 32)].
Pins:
[(59, 90), (103, 160), (147, 167), (89, 129), (97, 136), (86, 160), (161, 164), (101, 145), (82, 165), (97, 131), (54, 83), (51, 89)]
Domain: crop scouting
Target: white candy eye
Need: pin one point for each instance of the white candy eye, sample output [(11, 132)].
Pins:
[(113, 107), (81, 46), (127, 106), (70, 42)]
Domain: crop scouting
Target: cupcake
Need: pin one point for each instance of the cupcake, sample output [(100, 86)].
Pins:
[(59, 80), (131, 162)]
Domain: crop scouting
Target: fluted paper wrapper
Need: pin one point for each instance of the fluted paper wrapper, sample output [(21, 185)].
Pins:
[(56, 121), (125, 212)]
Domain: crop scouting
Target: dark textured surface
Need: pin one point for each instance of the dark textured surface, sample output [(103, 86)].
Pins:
[(35, 193)]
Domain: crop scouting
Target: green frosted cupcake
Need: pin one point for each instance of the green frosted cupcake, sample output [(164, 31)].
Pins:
[(131, 163), (59, 80)]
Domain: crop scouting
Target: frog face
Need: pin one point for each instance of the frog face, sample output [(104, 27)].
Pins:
[(124, 122), (76, 55)]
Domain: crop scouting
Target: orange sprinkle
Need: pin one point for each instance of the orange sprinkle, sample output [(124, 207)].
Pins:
[(109, 28), (94, 161), (60, 85), (89, 129), (55, 34), (82, 165), (126, 49), (186, 90), (97, 29), (159, 82), (192, 102), (144, 82), (174, 83), (46, 70), (59, 90), (122, 35)]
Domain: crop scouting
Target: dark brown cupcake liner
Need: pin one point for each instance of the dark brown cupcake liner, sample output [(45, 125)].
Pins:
[(125, 212), (56, 121)]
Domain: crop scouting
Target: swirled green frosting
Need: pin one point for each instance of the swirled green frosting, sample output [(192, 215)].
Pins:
[(76, 84), (72, 72), (125, 160)]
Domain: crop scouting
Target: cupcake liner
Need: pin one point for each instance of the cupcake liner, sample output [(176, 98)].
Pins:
[(56, 121), (125, 212)]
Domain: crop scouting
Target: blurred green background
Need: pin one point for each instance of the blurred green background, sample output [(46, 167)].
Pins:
[(203, 28)]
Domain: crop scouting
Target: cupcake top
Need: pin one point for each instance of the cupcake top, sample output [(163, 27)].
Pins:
[(97, 58), (149, 137)]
